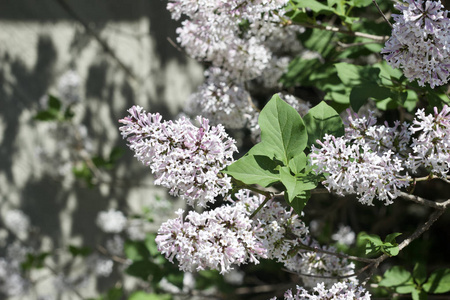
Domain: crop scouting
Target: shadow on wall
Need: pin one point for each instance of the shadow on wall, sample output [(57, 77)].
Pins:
[(21, 86)]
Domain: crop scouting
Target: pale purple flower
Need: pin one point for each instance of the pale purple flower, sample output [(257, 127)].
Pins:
[(420, 42), (215, 239), (345, 235), (339, 291), (221, 100), (283, 229), (213, 33), (184, 158), (326, 268), (431, 149), (111, 221), (369, 160)]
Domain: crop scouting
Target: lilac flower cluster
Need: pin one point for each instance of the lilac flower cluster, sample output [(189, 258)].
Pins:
[(326, 266), (215, 239), (221, 100), (111, 221), (339, 291), (249, 47), (284, 234), (184, 158), (431, 149), (214, 32), (420, 42), (374, 161), (283, 230), (225, 236)]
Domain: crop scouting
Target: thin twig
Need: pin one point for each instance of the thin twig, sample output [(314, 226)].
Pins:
[(380, 39), (351, 257), (437, 205), (116, 258), (419, 231), (260, 207), (345, 46), (384, 17)]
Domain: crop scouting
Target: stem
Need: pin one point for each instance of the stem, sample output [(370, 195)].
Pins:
[(384, 17), (379, 39), (351, 257), (419, 231), (437, 205), (260, 207)]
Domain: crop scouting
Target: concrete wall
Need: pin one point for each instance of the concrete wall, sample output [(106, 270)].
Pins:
[(121, 51)]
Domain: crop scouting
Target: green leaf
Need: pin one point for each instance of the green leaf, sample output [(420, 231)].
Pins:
[(143, 269), (47, 115), (438, 282), (390, 238), (115, 154), (361, 93), (353, 75), (293, 187), (35, 261), (299, 71), (390, 249), (54, 103), (373, 244), (82, 251), (314, 5), (419, 295), (373, 238), (176, 279), (151, 244), (68, 114), (320, 41), (420, 273), (320, 120), (298, 202), (140, 295), (254, 169), (136, 250), (298, 163), (399, 279), (360, 3), (282, 130), (114, 294)]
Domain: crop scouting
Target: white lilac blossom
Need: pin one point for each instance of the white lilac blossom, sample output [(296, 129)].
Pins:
[(221, 100), (373, 161), (12, 283), (115, 245), (345, 235), (282, 231), (136, 229), (283, 234), (103, 267), (366, 161), (17, 222), (111, 221), (214, 239), (420, 42), (324, 267), (69, 87), (184, 158), (339, 291), (234, 35), (431, 149)]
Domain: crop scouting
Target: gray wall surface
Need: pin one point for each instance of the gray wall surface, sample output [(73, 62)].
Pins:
[(121, 51)]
